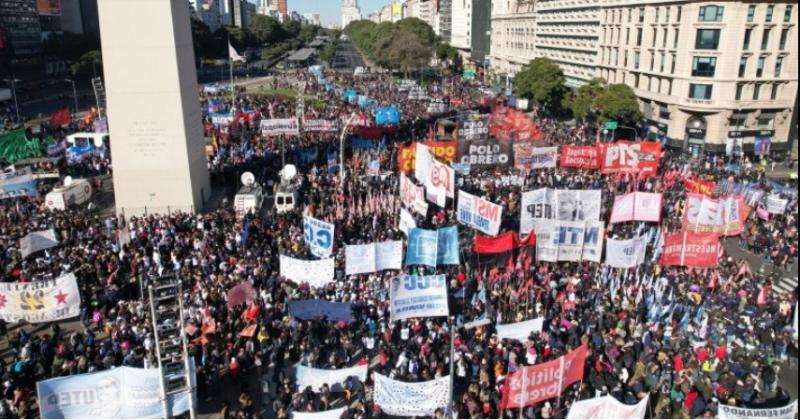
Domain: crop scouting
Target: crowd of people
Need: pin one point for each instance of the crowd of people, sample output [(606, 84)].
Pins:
[(688, 339)]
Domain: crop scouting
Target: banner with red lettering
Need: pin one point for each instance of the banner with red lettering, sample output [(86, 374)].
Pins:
[(534, 384), (689, 249), (583, 157), (412, 195), (698, 186), (443, 150), (478, 213), (406, 158), (630, 157), (725, 216)]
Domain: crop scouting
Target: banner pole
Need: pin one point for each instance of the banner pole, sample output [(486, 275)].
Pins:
[(452, 365)]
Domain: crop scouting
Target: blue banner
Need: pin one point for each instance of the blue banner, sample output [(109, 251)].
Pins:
[(447, 249), (306, 155), (333, 163), (216, 105), (387, 116), (318, 236), (433, 247), (359, 143), (317, 308)]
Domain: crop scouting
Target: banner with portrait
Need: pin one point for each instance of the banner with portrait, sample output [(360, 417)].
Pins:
[(563, 205)]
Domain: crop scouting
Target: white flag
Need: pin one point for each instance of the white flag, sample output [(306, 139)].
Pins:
[(233, 55)]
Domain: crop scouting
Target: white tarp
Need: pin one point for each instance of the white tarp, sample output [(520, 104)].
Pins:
[(370, 258), (625, 253), (636, 206), (607, 408), (320, 415), (317, 273), (318, 236), (412, 195), (406, 222), (776, 204), (478, 213), (568, 241), (562, 205), (315, 378), (731, 412), (411, 398), (40, 301), (519, 330), (418, 296), (280, 126), (37, 241)]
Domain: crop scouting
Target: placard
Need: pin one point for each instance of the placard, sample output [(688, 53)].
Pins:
[(568, 241), (626, 253), (418, 297), (637, 206), (630, 157), (40, 301), (478, 213), (317, 273), (373, 257), (318, 236), (689, 249), (413, 196), (485, 153), (731, 412), (280, 126), (408, 399), (582, 157), (564, 205), (527, 157)]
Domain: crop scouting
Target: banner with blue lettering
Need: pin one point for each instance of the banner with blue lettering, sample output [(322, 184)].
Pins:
[(568, 241), (387, 116), (418, 296), (317, 308), (318, 236), (433, 247), (478, 213)]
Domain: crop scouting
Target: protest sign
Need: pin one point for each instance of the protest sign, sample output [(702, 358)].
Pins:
[(474, 128), (731, 412), (409, 399), (527, 157), (689, 249), (568, 241), (564, 205), (533, 384), (630, 157), (318, 308), (318, 236), (316, 378), (373, 257), (627, 253), (776, 204), (607, 408), (432, 247), (637, 206), (704, 214), (320, 126), (406, 222), (317, 273), (418, 296), (280, 126), (413, 196), (519, 330), (583, 157), (478, 213), (40, 301), (37, 241)]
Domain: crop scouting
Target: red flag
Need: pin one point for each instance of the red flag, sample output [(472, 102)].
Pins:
[(761, 300), (691, 249), (60, 117), (534, 384)]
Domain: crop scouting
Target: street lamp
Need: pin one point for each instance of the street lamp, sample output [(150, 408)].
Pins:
[(74, 96), (13, 80), (341, 147)]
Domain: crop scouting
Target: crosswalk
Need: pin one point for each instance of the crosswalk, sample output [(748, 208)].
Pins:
[(785, 284)]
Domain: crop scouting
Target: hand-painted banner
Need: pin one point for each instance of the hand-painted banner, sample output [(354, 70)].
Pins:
[(724, 216), (563, 205), (319, 415), (433, 247), (280, 126), (318, 236), (318, 308), (418, 297), (688, 249), (568, 241), (533, 384), (478, 213), (406, 158), (698, 186), (40, 301), (485, 153), (37, 241), (607, 408), (118, 393), (317, 273), (582, 157), (519, 330), (637, 206), (374, 257), (527, 157), (413, 196), (475, 128), (443, 150), (731, 412), (626, 253), (320, 126), (406, 222), (776, 204), (411, 399), (316, 378), (630, 157)]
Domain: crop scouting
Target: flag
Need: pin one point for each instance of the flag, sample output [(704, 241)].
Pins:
[(233, 55), (761, 300), (60, 117)]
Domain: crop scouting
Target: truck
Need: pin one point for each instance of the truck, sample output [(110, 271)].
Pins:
[(248, 199), (72, 193)]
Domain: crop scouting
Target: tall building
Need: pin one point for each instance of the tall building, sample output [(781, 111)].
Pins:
[(444, 15), (153, 113), (350, 12), (566, 32), (481, 30), (21, 36), (423, 10), (312, 18), (281, 6), (706, 73), (461, 26), (241, 13), (513, 25)]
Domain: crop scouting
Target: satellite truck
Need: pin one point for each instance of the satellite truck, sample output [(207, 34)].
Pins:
[(74, 192), (286, 194), (249, 198)]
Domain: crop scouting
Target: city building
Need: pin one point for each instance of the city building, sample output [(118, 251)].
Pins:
[(350, 12), (566, 31), (420, 9), (312, 18), (461, 26), (241, 12), (21, 36), (512, 41), (481, 31), (208, 11), (281, 5), (706, 74), (443, 20)]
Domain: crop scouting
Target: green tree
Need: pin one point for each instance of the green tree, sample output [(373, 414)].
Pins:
[(403, 51), (240, 38), (328, 52), (292, 28), (446, 52), (69, 46), (543, 82), (266, 30), (202, 39), (88, 66), (418, 27), (598, 102), (583, 103)]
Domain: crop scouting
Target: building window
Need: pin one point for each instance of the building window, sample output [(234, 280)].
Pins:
[(787, 15), (765, 39), (680, 12), (655, 35), (697, 91), (652, 61), (748, 33), (751, 12), (628, 36), (778, 66), (675, 43), (672, 65), (774, 93), (708, 39), (636, 57), (711, 13), (663, 62), (770, 12), (739, 89), (638, 37), (765, 121), (625, 60), (704, 66), (664, 33), (641, 15), (760, 67), (742, 66), (784, 37), (658, 12), (636, 80), (756, 91), (630, 15), (669, 9)]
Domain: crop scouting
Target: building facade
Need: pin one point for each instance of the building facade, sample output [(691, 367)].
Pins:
[(350, 12), (480, 29), (461, 26), (707, 74), (21, 34), (443, 20), (241, 13), (566, 31), (512, 41)]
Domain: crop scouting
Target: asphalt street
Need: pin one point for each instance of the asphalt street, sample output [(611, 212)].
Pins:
[(347, 58)]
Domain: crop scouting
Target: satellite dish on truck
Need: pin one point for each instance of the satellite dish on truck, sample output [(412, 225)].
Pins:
[(248, 178), (67, 181), (288, 172)]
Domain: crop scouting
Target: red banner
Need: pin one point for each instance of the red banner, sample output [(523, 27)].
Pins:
[(694, 185), (689, 249), (60, 117), (584, 157), (630, 157), (502, 243), (407, 158), (443, 150), (534, 384), (507, 123)]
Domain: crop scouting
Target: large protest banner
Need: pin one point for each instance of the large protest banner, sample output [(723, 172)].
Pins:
[(563, 205), (583, 157), (37, 241), (406, 158), (320, 126), (637, 206), (315, 378), (752, 193), (319, 415), (118, 393), (434, 175), (432, 247), (484, 153), (731, 412), (776, 204), (318, 236), (630, 157), (519, 330), (370, 258), (418, 297), (724, 216), (409, 399), (689, 249), (280, 126), (478, 213), (699, 186), (18, 184), (317, 273), (507, 123), (40, 301), (318, 308), (626, 253), (568, 241), (476, 127), (413, 196), (607, 408), (533, 384), (527, 157), (443, 150)]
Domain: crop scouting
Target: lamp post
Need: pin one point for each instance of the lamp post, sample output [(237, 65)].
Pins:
[(13, 80), (341, 148), (74, 96)]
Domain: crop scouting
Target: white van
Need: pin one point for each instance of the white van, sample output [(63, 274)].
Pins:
[(75, 193), (248, 199)]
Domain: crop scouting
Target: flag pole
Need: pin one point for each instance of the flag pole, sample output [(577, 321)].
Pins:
[(230, 68), (452, 364)]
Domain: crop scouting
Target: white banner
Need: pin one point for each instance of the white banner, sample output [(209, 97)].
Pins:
[(40, 301), (413, 196), (418, 296), (724, 215), (731, 412), (406, 222), (423, 163), (315, 378), (478, 213), (373, 257), (318, 236), (563, 205), (637, 206), (37, 241), (409, 399), (519, 330), (568, 241), (607, 408), (278, 126), (322, 126), (627, 253), (434, 175), (118, 393), (436, 195), (319, 415), (317, 273), (776, 204)]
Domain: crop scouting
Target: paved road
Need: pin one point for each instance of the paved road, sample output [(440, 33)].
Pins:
[(347, 53)]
